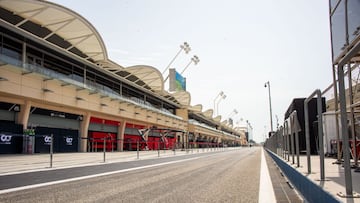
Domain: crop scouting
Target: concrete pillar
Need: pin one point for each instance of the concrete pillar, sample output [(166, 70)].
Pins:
[(183, 113), (195, 140), (84, 131), (120, 136), (24, 55), (23, 116)]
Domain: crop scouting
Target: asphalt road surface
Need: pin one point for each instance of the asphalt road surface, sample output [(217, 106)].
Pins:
[(231, 176)]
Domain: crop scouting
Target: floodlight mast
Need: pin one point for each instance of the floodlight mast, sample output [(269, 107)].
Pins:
[(216, 98), (267, 84), (186, 47), (217, 104), (194, 59)]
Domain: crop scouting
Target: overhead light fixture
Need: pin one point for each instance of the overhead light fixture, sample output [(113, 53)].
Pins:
[(47, 90), (25, 73), (93, 92), (65, 84), (46, 79), (79, 98), (2, 63), (3, 79), (80, 88)]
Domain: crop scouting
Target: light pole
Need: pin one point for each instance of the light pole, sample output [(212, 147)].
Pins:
[(185, 46), (217, 104), (247, 130), (267, 84), (194, 59), (216, 98), (264, 133), (233, 112), (248, 125)]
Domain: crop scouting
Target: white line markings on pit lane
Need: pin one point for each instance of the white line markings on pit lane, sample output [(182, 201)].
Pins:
[(90, 176), (266, 190)]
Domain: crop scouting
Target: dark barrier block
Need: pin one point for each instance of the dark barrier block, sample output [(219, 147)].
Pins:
[(65, 140), (11, 139), (43, 140), (42, 143), (68, 140), (11, 127), (309, 190), (10, 143)]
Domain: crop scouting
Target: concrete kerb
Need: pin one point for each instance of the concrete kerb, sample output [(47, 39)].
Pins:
[(308, 189)]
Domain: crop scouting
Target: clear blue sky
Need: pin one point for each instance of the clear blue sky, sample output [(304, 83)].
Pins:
[(241, 45)]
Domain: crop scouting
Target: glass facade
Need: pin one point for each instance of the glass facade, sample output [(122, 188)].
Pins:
[(50, 63)]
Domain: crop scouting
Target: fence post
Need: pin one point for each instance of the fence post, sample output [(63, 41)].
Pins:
[(104, 148), (137, 149), (112, 144), (164, 147), (174, 148), (159, 149), (51, 150)]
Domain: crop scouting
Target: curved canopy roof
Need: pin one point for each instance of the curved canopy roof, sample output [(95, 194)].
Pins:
[(147, 76), (183, 97), (57, 25), (72, 33), (208, 113), (196, 108), (217, 118)]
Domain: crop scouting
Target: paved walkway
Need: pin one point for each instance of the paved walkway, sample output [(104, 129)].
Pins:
[(334, 176), (20, 163)]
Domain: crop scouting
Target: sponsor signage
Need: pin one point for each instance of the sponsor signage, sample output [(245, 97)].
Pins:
[(5, 139), (47, 140), (176, 81), (10, 143), (69, 141)]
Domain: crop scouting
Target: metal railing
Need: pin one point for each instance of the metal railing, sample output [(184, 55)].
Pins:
[(101, 89)]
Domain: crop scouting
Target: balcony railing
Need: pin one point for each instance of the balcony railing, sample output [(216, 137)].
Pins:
[(101, 89)]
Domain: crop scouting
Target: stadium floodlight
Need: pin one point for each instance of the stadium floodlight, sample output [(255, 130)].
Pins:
[(194, 59)]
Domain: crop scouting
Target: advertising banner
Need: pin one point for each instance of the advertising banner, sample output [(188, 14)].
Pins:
[(176, 81), (10, 143)]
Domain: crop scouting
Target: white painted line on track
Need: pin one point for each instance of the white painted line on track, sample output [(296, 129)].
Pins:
[(266, 190), (91, 176)]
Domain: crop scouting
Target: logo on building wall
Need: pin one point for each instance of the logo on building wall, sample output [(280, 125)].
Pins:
[(69, 140), (5, 139), (47, 140)]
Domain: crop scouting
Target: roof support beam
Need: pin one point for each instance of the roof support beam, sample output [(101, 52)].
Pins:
[(66, 22), (83, 38), (36, 12)]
